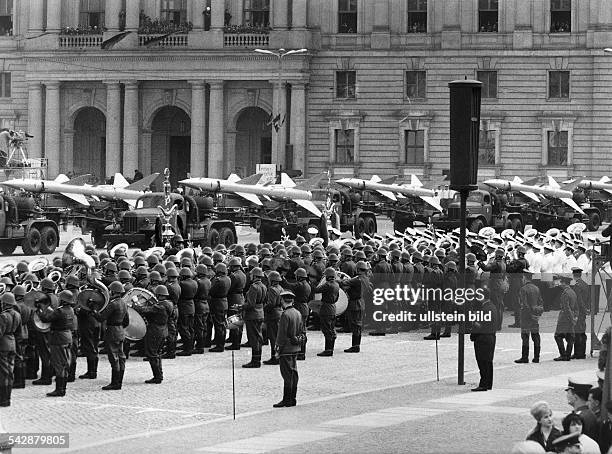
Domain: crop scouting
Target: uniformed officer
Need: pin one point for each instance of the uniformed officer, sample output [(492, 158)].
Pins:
[(531, 308), (235, 298), (186, 307), (174, 290), (219, 289), (62, 321), (10, 323), (287, 346), (302, 291), (272, 312), (566, 320), (202, 309), (117, 319), (483, 335), (142, 277), (157, 315), (42, 339), (497, 268), (21, 337), (355, 288), (253, 311), (577, 398), (329, 290), (515, 272), (581, 289)]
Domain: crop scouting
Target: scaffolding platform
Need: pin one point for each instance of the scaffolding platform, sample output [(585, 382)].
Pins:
[(30, 168)]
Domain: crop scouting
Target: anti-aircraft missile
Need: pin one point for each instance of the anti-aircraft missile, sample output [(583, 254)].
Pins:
[(414, 189), (602, 184), (250, 190), (120, 190), (551, 190)]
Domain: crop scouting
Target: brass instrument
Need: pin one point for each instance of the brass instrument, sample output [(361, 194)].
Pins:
[(55, 276), (38, 264), (158, 250), (118, 247), (7, 269), (29, 286), (74, 254)]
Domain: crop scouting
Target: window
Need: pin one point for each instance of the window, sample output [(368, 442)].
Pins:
[(560, 16), (557, 148), (345, 146), (6, 17), (174, 11), (559, 85), (256, 13), (488, 17), (489, 83), (347, 16), (415, 147), (486, 148), (5, 85), (345, 84), (417, 16), (91, 14), (416, 84)]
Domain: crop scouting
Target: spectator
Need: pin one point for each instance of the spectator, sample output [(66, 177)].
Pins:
[(544, 433), (577, 396), (594, 402), (573, 423), (138, 175)]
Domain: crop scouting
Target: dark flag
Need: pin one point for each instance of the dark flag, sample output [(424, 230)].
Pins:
[(110, 42)]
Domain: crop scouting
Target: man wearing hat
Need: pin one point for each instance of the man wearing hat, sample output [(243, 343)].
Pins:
[(10, 323), (483, 334), (382, 278), (530, 307), (219, 289), (186, 307), (515, 271), (329, 291), (581, 289), (568, 444), (302, 291), (235, 298), (497, 270), (355, 288), (253, 313), (288, 342), (577, 398), (21, 337), (566, 321)]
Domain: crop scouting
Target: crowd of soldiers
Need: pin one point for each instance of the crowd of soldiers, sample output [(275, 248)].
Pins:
[(205, 291)]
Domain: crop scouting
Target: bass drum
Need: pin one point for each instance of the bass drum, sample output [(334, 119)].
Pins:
[(43, 327), (234, 321), (138, 297), (91, 299), (341, 304), (137, 328)]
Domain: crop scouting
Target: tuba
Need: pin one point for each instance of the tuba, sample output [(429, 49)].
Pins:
[(7, 269), (74, 255)]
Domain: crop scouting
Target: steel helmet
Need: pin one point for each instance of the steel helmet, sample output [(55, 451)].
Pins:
[(47, 284), (239, 250), (253, 260), (207, 251), (125, 265), (332, 257), (217, 257), (161, 290), (346, 252), (155, 276), (160, 268), (201, 270), (172, 272), (185, 272), (173, 259), (330, 272), (142, 271), (220, 268), (306, 249), (206, 260), (266, 263), (318, 254), (116, 287), (19, 290), (22, 267), (362, 266), (66, 296), (257, 272), (152, 260), (8, 299), (139, 261), (274, 276), (73, 281), (235, 261), (301, 272), (396, 253), (186, 261), (359, 255), (110, 266), (125, 274)]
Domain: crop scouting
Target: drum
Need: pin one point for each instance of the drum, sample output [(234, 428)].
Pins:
[(234, 321), (33, 297), (43, 327), (91, 299), (139, 297), (341, 304), (137, 328)]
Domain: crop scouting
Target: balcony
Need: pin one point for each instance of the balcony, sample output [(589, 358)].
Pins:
[(80, 41), (246, 36), (175, 40)]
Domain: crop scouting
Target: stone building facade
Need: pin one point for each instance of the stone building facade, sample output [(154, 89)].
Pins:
[(111, 86)]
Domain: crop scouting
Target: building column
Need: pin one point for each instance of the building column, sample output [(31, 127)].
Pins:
[(54, 15), (36, 16), (523, 31), (197, 14), (144, 163), (381, 39), (113, 128), (216, 131), (68, 151), (217, 14), (451, 30), (132, 15), (52, 129), (298, 126), (299, 14), (35, 120), (280, 14), (130, 129), (111, 14), (230, 160), (198, 128), (279, 138)]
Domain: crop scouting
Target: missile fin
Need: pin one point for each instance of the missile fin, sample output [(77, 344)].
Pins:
[(604, 179), (311, 183), (143, 183), (233, 178), (61, 178), (414, 181), (400, 195), (309, 206), (286, 181), (389, 180), (572, 204), (81, 180), (388, 194), (531, 195), (252, 180), (250, 197), (375, 179), (131, 202), (79, 198), (552, 183), (517, 180), (96, 198), (434, 202), (119, 181)]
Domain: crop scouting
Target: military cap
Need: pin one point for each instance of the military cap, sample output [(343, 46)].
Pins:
[(575, 384), (172, 272), (287, 294), (173, 259), (577, 270), (393, 246), (346, 252), (565, 441)]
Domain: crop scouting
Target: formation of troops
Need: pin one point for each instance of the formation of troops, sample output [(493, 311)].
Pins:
[(208, 298)]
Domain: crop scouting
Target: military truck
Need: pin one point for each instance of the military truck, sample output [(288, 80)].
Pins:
[(23, 224), (192, 217)]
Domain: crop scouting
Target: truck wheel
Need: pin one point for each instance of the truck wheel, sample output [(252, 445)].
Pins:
[(370, 226), (517, 225), (213, 237), (31, 243), (594, 222), (360, 227), (48, 240), (226, 237), (8, 247), (476, 225)]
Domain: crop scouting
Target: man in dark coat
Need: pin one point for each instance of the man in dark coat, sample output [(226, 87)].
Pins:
[(355, 288), (329, 291), (566, 321), (42, 339), (10, 322), (287, 346), (235, 298), (302, 291), (531, 307), (21, 337), (272, 312), (484, 336), (202, 309), (186, 307), (581, 289), (497, 270), (515, 269), (219, 289), (174, 290), (253, 311), (577, 398)]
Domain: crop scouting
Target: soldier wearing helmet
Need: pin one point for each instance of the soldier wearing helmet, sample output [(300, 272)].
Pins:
[(382, 277), (14, 318), (89, 330), (157, 315), (253, 314), (306, 254), (63, 321), (329, 291), (155, 279), (434, 279), (318, 264), (471, 271), (272, 312), (42, 339), (515, 270), (235, 298), (347, 265), (201, 326), (186, 308), (125, 278), (142, 277), (302, 291), (497, 281), (21, 338), (219, 289), (174, 291), (117, 319), (110, 273), (355, 288)]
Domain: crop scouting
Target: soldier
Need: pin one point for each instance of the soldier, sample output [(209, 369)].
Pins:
[(202, 310), (531, 308), (253, 311), (483, 335), (272, 312), (235, 298), (295, 261), (355, 288), (382, 277), (21, 338), (157, 316), (60, 339), (10, 323), (581, 289), (42, 339), (142, 277), (288, 341), (566, 320), (125, 278), (497, 268), (186, 308), (302, 291), (515, 271), (219, 289), (89, 330), (110, 273), (174, 290), (329, 291), (117, 319), (155, 279)]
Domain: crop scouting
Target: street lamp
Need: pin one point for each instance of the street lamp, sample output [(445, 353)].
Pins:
[(279, 55)]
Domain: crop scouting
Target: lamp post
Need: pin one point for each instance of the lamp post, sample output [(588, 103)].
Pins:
[(280, 54)]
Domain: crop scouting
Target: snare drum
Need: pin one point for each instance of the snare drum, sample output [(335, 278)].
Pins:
[(234, 321)]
